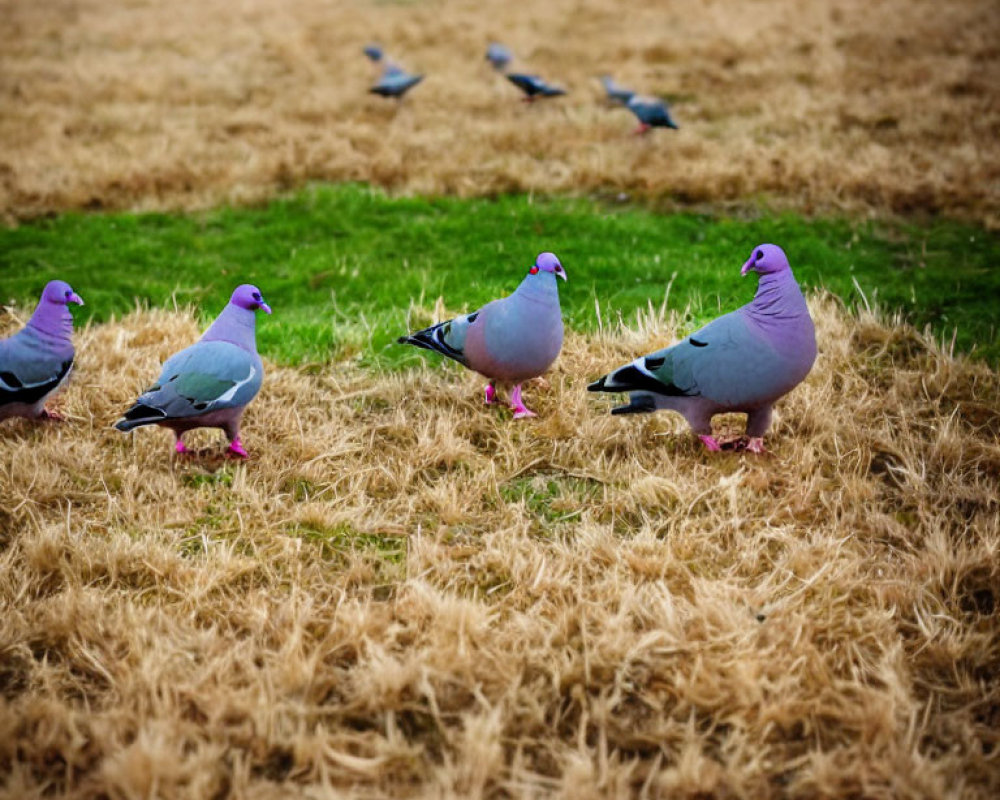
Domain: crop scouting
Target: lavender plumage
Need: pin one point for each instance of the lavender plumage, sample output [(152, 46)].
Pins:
[(510, 340), (37, 360), (210, 383), (743, 361)]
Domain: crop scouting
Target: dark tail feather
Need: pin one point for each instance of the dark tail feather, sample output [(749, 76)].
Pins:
[(424, 339), (598, 385), (432, 339), (640, 404), (139, 415)]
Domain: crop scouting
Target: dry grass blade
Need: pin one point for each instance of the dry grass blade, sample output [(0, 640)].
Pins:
[(405, 594), (856, 105)]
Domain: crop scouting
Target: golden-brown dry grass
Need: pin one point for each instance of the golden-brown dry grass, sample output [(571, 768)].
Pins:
[(406, 594), (880, 107)]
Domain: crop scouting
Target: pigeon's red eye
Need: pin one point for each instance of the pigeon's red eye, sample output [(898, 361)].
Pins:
[(533, 270)]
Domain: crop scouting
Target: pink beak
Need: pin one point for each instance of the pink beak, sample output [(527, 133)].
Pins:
[(747, 267), (264, 307), (75, 298)]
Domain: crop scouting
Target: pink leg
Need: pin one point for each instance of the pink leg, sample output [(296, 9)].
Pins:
[(520, 409), (491, 394), (51, 416), (641, 129), (180, 448), (756, 444), (236, 449), (710, 443)]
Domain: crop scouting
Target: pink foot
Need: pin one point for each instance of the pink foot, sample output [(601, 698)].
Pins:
[(521, 411), (756, 445), (51, 416), (491, 394), (236, 449), (710, 443), (181, 449)]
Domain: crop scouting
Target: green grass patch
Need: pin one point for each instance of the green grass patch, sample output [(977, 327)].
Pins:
[(341, 264)]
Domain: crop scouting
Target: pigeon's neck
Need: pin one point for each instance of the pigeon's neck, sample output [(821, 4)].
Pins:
[(234, 325), (778, 300), (541, 288), (52, 324)]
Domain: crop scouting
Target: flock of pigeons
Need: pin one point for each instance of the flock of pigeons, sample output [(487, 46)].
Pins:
[(394, 81), (743, 361)]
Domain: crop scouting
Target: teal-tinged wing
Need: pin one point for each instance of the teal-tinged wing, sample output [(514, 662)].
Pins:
[(208, 376)]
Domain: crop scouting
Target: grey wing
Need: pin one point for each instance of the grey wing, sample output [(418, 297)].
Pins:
[(27, 374), (729, 363), (206, 377)]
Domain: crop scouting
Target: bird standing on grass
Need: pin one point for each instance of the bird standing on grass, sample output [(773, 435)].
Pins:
[(37, 360), (210, 383), (395, 83), (743, 361), (512, 339), (651, 113), (533, 86)]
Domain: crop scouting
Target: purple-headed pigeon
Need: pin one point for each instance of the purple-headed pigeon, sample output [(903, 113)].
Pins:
[(512, 339), (651, 113), (395, 82), (498, 56), (616, 94), (533, 86), (36, 360), (210, 383), (743, 361)]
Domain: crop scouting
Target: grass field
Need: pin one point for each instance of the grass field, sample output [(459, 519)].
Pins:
[(889, 107), (342, 266), (406, 594)]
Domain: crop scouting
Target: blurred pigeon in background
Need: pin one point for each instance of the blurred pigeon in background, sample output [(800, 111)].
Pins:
[(512, 339), (651, 112), (741, 362), (533, 86), (36, 360), (498, 56), (210, 383), (395, 83), (378, 57), (615, 93)]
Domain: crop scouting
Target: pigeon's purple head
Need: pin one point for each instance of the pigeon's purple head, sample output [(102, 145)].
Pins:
[(249, 297), (766, 259), (60, 293), (547, 262)]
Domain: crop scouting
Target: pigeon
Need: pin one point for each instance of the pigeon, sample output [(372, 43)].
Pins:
[(210, 383), (741, 361), (378, 57), (651, 112), (373, 51), (395, 82), (533, 86), (616, 94), (512, 339), (37, 360), (498, 56)]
